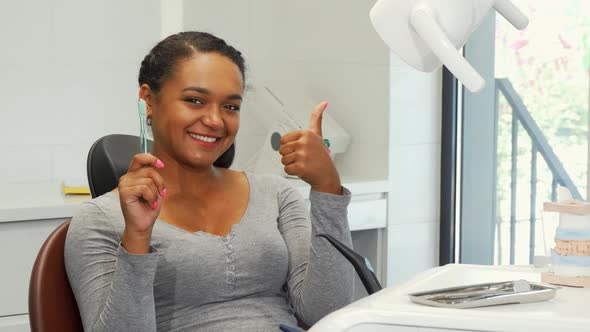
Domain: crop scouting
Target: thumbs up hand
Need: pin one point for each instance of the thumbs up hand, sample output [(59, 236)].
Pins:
[(306, 156)]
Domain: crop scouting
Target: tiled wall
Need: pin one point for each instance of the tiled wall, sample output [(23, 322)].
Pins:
[(69, 72), (414, 169)]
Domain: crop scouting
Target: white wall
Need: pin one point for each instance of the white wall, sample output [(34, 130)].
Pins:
[(69, 75), (414, 169)]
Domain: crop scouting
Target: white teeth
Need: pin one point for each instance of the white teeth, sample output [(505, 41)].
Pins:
[(203, 138)]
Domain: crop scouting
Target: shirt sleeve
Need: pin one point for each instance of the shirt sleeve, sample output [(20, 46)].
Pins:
[(113, 289), (320, 280)]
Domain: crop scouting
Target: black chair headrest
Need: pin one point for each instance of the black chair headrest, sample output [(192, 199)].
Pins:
[(108, 160)]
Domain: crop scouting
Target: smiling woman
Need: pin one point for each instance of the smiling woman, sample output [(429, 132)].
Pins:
[(185, 243), (180, 49)]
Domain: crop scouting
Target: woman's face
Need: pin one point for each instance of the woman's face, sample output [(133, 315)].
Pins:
[(195, 116)]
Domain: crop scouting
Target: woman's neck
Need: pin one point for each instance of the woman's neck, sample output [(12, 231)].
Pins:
[(187, 181)]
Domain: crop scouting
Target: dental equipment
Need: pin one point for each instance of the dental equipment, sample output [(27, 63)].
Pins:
[(426, 34), (142, 121)]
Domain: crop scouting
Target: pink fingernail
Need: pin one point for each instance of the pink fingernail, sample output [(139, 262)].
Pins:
[(155, 205), (159, 164), (164, 192), (325, 106)]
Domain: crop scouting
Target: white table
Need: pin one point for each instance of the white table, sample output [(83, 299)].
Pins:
[(391, 310)]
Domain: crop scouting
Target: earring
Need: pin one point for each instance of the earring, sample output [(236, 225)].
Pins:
[(149, 121)]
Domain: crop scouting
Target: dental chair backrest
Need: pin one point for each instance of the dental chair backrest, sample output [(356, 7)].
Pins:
[(109, 159)]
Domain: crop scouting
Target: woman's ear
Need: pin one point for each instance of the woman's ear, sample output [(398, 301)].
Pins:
[(146, 94)]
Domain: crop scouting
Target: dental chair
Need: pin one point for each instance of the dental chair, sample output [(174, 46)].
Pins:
[(52, 305)]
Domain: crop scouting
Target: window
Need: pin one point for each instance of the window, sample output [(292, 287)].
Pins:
[(526, 133)]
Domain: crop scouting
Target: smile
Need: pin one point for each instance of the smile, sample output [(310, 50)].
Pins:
[(203, 138)]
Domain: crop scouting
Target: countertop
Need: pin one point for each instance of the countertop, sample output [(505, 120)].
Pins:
[(45, 200)]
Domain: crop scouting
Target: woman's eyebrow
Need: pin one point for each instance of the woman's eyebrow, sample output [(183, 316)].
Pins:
[(235, 97), (206, 92), (197, 89)]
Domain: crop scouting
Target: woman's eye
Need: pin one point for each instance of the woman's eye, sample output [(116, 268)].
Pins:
[(194, 100), (232, 107)]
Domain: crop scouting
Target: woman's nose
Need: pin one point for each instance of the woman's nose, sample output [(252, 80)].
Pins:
[(212, 118)]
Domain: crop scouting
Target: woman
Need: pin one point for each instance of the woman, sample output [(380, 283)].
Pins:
[(186, 244)]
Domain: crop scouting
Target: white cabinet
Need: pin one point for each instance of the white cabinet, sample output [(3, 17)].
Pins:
[(19, 323), (20, 243), (367, 212)]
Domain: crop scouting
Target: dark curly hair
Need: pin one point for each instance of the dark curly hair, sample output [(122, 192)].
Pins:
[(158, 66)]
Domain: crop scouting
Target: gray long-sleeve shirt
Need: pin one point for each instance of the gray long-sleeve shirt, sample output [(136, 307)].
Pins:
[(270, 266)]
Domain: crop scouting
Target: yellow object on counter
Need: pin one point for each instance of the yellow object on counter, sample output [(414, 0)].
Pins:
[(75, 189)]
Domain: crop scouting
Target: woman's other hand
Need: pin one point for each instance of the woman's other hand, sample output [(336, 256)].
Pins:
[(305, 155), (140, 193)]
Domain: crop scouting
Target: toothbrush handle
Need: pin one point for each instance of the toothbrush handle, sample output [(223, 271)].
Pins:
[(144, 144), (142, 121), (424, 23), (142, 136)]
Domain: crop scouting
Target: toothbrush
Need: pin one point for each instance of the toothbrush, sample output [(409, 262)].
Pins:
[(142, 120)]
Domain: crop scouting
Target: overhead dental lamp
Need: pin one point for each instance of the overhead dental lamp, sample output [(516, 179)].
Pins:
[(426, 34)]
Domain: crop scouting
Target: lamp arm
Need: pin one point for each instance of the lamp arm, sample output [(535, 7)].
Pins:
[(511, 13), (425, 25)]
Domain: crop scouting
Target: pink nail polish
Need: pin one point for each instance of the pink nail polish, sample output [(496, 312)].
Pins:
[(159, 164), (155, 205), (325, 106), (164, 192)]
